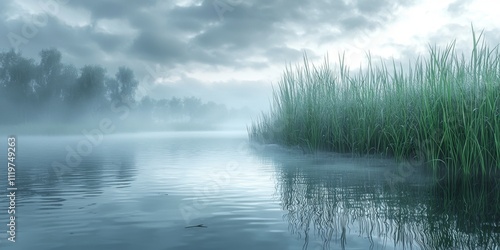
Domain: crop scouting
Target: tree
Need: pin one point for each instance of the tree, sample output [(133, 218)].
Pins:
[(113, 90), (175, 108), (192, 106), (89, 92), (161, 110), (128, 84), (68, 91), (68, 80), (213, 112), (16, 75), (16, 84), (122, 88), (49, 86), (146, 108)]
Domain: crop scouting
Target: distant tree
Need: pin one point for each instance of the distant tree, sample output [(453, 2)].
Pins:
[(16, 84), (213, 112), (113, 90), (89, 93), (68, 81), (122, 88), (146, 107), (161, 110), (175, 107), (128, 84), (192, 106), (49, 86), (49, 89), (16, 75)]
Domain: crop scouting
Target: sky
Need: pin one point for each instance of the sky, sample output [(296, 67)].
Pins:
[(233, 51)]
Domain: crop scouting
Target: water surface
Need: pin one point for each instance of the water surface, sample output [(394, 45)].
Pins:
[(141, 191)]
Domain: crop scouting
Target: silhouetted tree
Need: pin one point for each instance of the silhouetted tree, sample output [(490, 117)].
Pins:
[(90, 93), (49, 86), (128, 84), (17, 84), (49, 89), (16, 75), (113, 90), (68, 83)]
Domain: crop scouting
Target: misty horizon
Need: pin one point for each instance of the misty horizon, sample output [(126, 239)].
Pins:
[(50, 93)]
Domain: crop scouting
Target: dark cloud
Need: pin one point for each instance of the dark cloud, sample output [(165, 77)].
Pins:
[(82, 43), (194, 17), (210, 33), (356, 22), (158, 47), (110, 9), (283, 55), (203, 35)]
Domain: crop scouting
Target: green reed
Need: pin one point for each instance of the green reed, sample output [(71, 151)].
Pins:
[(444, 108)]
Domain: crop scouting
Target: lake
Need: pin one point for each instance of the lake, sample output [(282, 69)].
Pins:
[(215, 190)]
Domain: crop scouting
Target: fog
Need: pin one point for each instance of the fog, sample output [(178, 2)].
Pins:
[(194, 65), (45, 95)]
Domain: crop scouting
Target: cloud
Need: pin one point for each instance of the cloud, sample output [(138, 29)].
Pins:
[(173, 34), (458, 6), (109, 9), (158, 47), (195, 36), (4, 9)]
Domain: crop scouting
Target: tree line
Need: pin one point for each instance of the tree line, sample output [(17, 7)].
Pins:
[(49, 90)]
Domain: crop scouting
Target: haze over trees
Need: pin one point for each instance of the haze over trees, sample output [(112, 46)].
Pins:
[(49, 91)]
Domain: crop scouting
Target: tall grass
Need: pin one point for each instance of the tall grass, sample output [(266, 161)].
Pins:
[(444, 108)]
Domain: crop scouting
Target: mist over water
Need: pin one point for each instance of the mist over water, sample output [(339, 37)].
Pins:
[(48, 96), (142, 191)]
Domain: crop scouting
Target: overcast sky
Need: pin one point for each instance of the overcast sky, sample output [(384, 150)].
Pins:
[(231, 51)]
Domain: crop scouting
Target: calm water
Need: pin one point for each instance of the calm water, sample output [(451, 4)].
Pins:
[(142, 191)]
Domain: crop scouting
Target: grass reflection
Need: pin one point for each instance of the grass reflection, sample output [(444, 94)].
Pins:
[(332, 206)]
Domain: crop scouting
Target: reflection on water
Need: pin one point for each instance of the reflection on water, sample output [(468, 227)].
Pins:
[(142, 191), (331, 196)]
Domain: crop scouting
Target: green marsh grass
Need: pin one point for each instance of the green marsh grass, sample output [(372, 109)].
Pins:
[(443, 108)]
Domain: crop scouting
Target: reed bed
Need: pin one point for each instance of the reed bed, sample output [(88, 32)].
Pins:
[(443, 109)]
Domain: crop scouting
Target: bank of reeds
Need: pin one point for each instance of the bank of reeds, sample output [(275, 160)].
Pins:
[(443, 109)]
